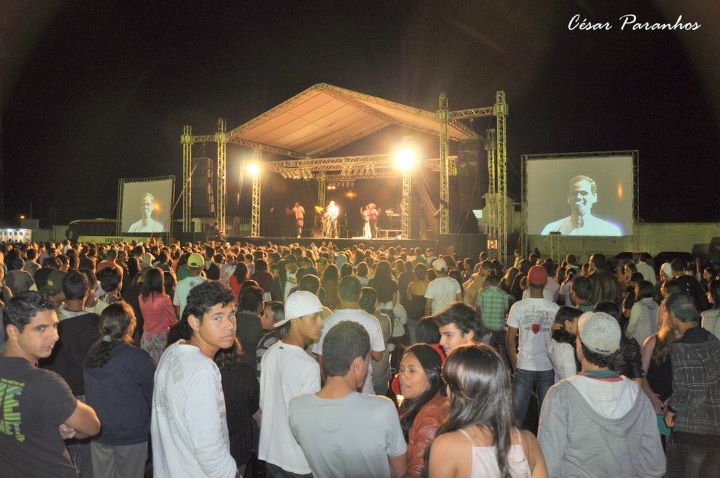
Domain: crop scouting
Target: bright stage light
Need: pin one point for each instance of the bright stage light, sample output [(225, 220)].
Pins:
[(406, 158), (253, 169)]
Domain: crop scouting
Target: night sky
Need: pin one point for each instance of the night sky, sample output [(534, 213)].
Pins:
[(96, 91)]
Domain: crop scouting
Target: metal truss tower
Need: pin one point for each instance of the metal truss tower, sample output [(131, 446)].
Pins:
[(491, 205), (187, 141), (221, 141), (497, 168), (256, 194), (501, 111), (405, 211), (443, 116), (321, 185)]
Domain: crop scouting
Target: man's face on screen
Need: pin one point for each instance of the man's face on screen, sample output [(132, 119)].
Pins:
[(147, 207), (581, 197)]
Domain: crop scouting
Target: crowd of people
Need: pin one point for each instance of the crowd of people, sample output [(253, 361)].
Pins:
[(224, 360)]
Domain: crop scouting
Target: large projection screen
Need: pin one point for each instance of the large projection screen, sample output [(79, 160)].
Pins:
[(146, 205), (580, 195)]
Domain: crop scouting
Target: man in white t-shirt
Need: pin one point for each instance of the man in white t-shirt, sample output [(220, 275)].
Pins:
[(551, 291), (350, 290), (646, 269), (442, 290), (195, 264), (287, 371), (533, 319), (188, 427)]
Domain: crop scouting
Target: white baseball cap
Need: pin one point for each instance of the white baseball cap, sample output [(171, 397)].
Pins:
[(299, 304), (599, 332), (439, 264)]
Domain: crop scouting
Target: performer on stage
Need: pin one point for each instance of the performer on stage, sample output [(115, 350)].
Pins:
[(331, 215), (299, 212), (373, 212), (366, 234)]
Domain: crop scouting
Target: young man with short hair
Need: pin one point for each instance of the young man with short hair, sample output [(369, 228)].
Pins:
[(350, 291), (457, 326), (343, 432), (599, 423), (188, 427), (37, 408), (195, 265), (581, 293), (287, 371), (441, 291), (532, 318)]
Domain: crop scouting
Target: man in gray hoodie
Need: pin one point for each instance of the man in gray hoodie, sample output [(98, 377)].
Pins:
[(598, 423)]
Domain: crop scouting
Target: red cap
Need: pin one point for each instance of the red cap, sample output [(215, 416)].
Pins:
[(537, 276)]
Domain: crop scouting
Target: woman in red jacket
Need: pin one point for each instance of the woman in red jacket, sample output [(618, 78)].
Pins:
[(424, 407)]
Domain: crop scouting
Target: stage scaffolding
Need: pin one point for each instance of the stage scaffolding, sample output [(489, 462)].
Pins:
[(376, 114)]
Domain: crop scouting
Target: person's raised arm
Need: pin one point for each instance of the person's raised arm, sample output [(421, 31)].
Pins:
[(84, 421)]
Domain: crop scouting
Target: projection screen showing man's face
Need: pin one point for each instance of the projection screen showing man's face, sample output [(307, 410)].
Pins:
[(146, 206), (580, 196)]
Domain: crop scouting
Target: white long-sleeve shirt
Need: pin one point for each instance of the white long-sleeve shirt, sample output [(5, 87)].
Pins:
[(189, 430)]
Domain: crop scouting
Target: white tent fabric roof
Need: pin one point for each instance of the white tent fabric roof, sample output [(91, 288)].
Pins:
[(324, 118)]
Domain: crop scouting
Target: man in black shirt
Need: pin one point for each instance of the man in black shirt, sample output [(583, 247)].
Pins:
[(37, 408)]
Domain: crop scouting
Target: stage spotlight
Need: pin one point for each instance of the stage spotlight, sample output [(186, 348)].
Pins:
[(406, 157), (253, 169)]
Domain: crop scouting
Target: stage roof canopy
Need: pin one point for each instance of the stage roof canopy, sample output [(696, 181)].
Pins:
[(324, 118)]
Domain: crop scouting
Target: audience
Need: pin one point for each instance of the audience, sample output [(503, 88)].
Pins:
[(205, 409)]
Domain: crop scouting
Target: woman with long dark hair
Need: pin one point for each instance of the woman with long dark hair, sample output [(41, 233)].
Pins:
[(157, 311), (119, 386), (657, 368), (388, 297), (478, 439), (424, 407), (239, 276), (330, 280)]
